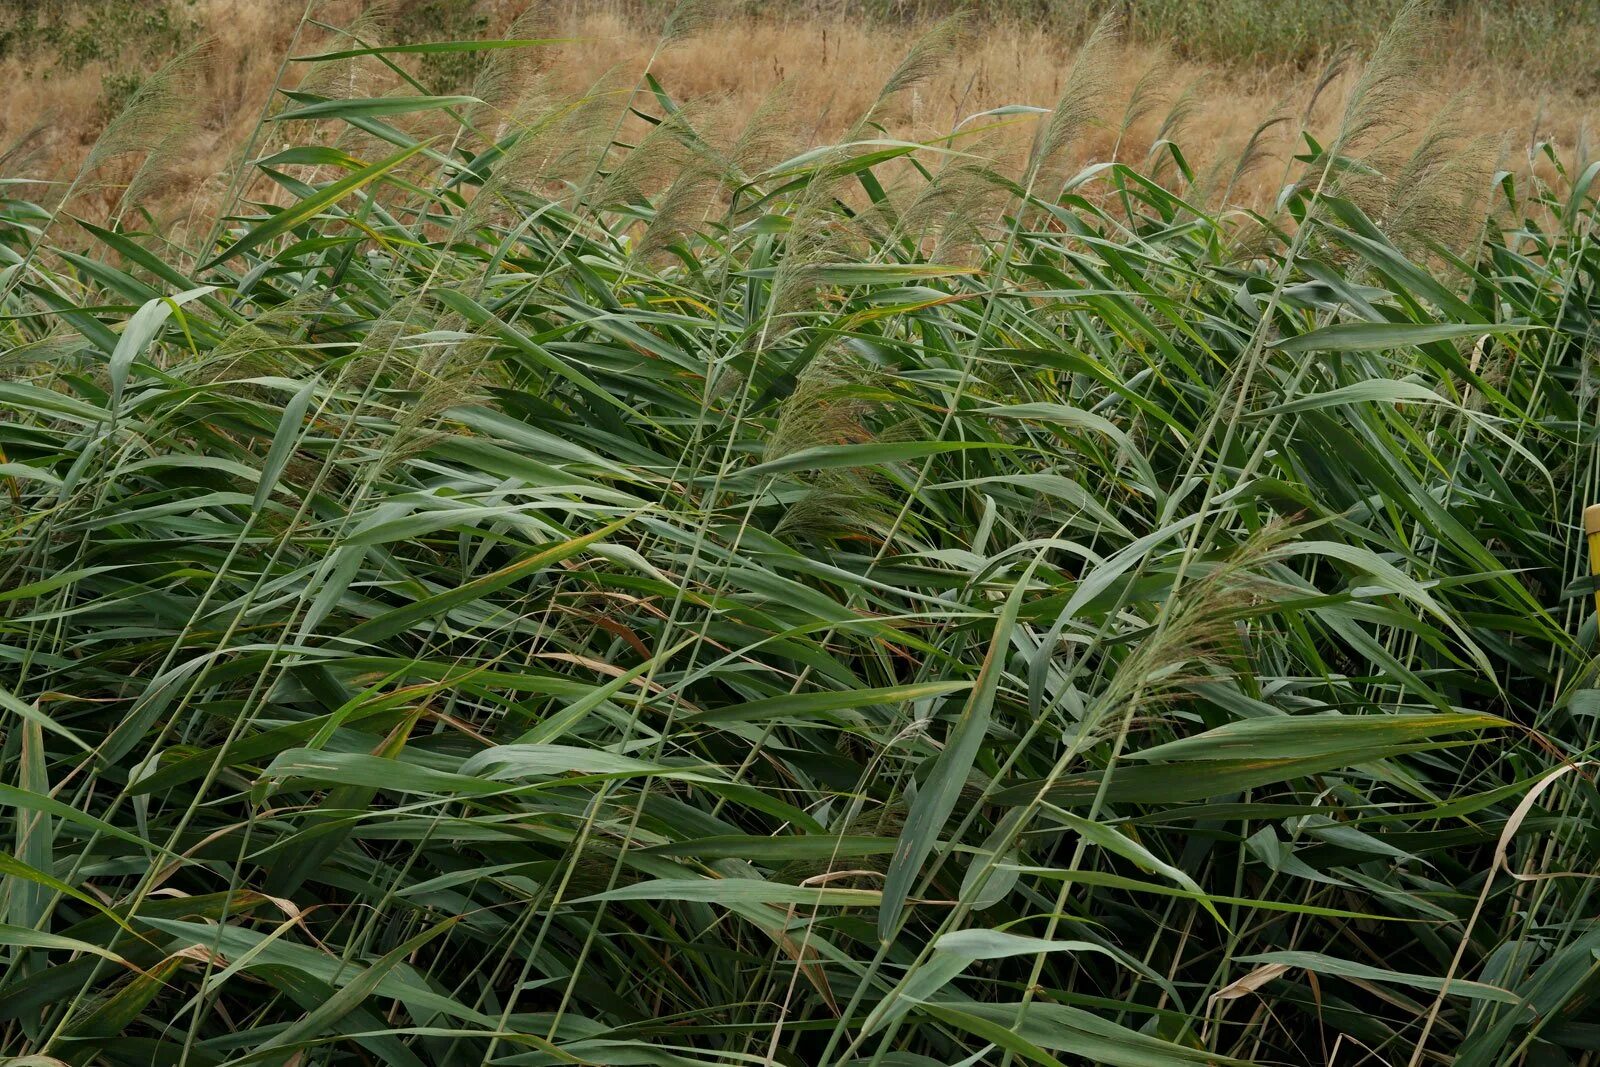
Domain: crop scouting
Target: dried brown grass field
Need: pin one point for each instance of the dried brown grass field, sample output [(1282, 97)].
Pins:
[(829, 63)]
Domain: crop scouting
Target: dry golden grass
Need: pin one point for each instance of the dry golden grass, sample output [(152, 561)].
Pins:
[(830, 71)]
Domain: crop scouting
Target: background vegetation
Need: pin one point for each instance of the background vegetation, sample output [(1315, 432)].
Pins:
[(71, 65), (546, 578), (1233, 32)]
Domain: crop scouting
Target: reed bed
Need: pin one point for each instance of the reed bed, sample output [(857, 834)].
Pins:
[(581, 581)]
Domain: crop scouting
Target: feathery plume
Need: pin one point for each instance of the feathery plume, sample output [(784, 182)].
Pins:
[(830, 405), (354, 76), (1335, 67), (1082, 97), (161, 108), (768, 137), (1387, 88), (1149, 92), (1183, 108), (670, 145), (509, 75), (1436, 197), (1252, 156), (1202, 622), (687, 18), (560, 146)]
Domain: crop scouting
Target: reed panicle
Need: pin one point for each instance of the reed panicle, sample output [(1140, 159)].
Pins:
[(1083, 97)]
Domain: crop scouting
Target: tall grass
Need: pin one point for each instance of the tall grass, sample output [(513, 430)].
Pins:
[(584, 585)]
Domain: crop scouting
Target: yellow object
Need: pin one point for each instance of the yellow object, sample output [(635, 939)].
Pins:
[(1591, 529)]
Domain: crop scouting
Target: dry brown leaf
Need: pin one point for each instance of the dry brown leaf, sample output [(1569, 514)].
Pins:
[(1250, 982)]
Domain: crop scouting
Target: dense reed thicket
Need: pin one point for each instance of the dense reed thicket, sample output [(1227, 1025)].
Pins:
[(582, 586)]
